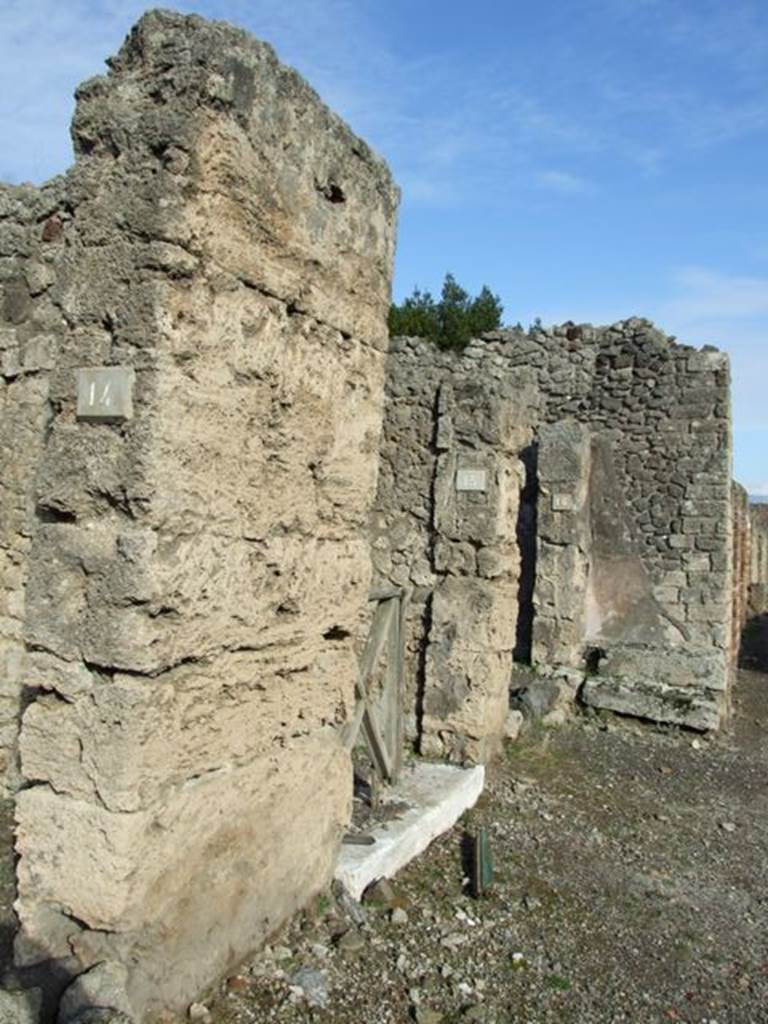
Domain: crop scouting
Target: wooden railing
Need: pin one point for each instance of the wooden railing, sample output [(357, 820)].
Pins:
[(380, 714)]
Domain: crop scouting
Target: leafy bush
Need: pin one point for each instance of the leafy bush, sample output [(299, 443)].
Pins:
[(452, 321)]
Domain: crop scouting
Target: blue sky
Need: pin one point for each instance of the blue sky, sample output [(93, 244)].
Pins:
[(588, 159)]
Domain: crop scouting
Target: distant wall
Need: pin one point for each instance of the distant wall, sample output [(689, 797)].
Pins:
[(758, 524), (757, 577), (743, 540), (197, 565), (622, 522), (751, 581)]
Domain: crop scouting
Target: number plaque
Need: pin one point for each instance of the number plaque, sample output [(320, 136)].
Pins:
[(471, 480), (105, 394)]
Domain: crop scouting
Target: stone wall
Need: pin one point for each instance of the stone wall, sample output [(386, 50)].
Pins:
[(742, 563), (758, 549), (445, 526), (622, 522), (757, 575), (31, 324), (193, 345), (751, 589), (198, 569)]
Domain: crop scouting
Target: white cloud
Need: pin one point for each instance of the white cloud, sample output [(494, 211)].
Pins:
[(730, 311), (563, 182), (453, 134), (707, 295), (46, 49)]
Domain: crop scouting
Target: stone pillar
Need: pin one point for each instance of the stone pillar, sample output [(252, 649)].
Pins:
[(562, 558), (474, 603), (200, 567)]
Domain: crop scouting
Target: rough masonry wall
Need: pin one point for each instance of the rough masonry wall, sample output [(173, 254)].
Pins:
[(563, 543), (758, 525), (756, 569), (742, 563), (473, 614), (750, 592), (31, 323), (662, 414), (199, 572), (454, 547), (624, 516)]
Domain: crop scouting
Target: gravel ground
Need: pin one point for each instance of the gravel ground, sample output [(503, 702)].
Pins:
[(631, 884)]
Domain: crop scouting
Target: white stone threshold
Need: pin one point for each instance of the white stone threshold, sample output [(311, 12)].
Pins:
[(436, 796)]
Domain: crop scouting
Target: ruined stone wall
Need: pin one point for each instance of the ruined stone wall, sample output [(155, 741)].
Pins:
[(742, 564), (758, 523), (444, 527), (623, 523), (757, 568), (31, 323), (199, 567), (659, 590)]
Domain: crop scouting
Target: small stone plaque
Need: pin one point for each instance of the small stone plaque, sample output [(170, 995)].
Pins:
[(105, 394), (471, 480), (563, 503)]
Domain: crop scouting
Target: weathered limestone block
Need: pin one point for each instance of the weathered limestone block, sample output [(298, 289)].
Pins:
[(191, 721), (200, 570), (469, 662), (643, 697), (188, 881), (20, 1007), (102, 987)]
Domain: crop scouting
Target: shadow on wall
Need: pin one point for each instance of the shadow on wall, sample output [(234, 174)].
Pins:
[(753, 652), (48, 992), (754, 644), (32, 993), (526, 544)]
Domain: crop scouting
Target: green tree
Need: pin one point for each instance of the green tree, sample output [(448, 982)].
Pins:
[(485, 312), (417, 317), (454, 314), (452, 321)]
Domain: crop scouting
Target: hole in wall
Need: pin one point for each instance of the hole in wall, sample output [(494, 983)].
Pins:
[(592, 658), (336, 633), (288, 607), (526, 544), (51, 514), (333, 193)]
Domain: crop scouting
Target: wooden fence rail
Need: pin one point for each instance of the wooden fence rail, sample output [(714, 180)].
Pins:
[(381, 715)]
